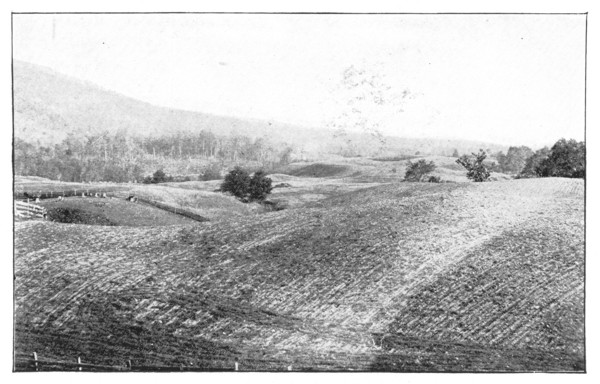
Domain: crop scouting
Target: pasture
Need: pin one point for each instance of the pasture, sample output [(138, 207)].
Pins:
[(361, 272)]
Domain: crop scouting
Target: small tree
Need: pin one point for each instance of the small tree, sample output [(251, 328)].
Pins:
[(476, 171), (237, 182), (260, 186), (455, 153), (158, 177), (416, 171)]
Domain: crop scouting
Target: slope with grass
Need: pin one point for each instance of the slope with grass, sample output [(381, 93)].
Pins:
[(416, 277), (117, 212), (375, 170)]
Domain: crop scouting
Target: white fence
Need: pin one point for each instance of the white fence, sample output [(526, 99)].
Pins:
[(27, 210)]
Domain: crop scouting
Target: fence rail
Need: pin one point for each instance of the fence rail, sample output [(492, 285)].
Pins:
[(175, 210), (32, 362), (77, 191), (29, 210), (26, 209)]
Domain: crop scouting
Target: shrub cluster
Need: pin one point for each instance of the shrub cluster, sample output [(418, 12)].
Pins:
[(158, 177), (417, 171), (239, 183), (476, 171)]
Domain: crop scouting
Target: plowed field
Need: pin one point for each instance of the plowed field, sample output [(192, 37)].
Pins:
[(410, 277)]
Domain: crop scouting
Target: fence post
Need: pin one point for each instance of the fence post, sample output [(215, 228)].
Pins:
[(79, 363), (129, 364), (35, 361), (236, 366)]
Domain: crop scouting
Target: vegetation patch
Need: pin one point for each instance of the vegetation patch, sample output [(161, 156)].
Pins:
[(77, 216), (112, 212), (395, 158), (320, 170)]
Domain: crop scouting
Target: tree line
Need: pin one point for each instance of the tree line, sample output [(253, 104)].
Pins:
[(118, 157), (566, 158)]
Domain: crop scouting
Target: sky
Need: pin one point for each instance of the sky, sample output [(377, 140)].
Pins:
[(507, 79)]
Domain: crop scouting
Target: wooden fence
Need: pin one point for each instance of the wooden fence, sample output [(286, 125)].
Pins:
[(27, 210), (161, 205), (32, 195), (175, 210), (33, 362)]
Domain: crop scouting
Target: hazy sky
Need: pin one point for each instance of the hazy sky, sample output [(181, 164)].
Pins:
[(510, 79)]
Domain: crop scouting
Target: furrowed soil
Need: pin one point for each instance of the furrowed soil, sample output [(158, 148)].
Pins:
[(396, 276)]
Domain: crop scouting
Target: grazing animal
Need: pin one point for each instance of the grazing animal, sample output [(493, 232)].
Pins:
[(60, 198), (132, 198), (37, 199), (104, 195)]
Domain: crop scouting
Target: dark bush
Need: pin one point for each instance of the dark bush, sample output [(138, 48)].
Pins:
[(566, 159), (416, 171), (434, 179), (476, 171), (237, 182), (158, 177), (76, 216), (260, 186)]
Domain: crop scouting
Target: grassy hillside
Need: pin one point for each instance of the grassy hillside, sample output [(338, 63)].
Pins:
[(415, 277), (49, 106), (118, 212), (359, 169)]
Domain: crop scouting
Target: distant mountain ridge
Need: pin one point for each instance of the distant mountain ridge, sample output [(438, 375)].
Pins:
[(48, 106)]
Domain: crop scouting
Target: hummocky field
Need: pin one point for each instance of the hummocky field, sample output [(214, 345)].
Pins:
[(360, 272)]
